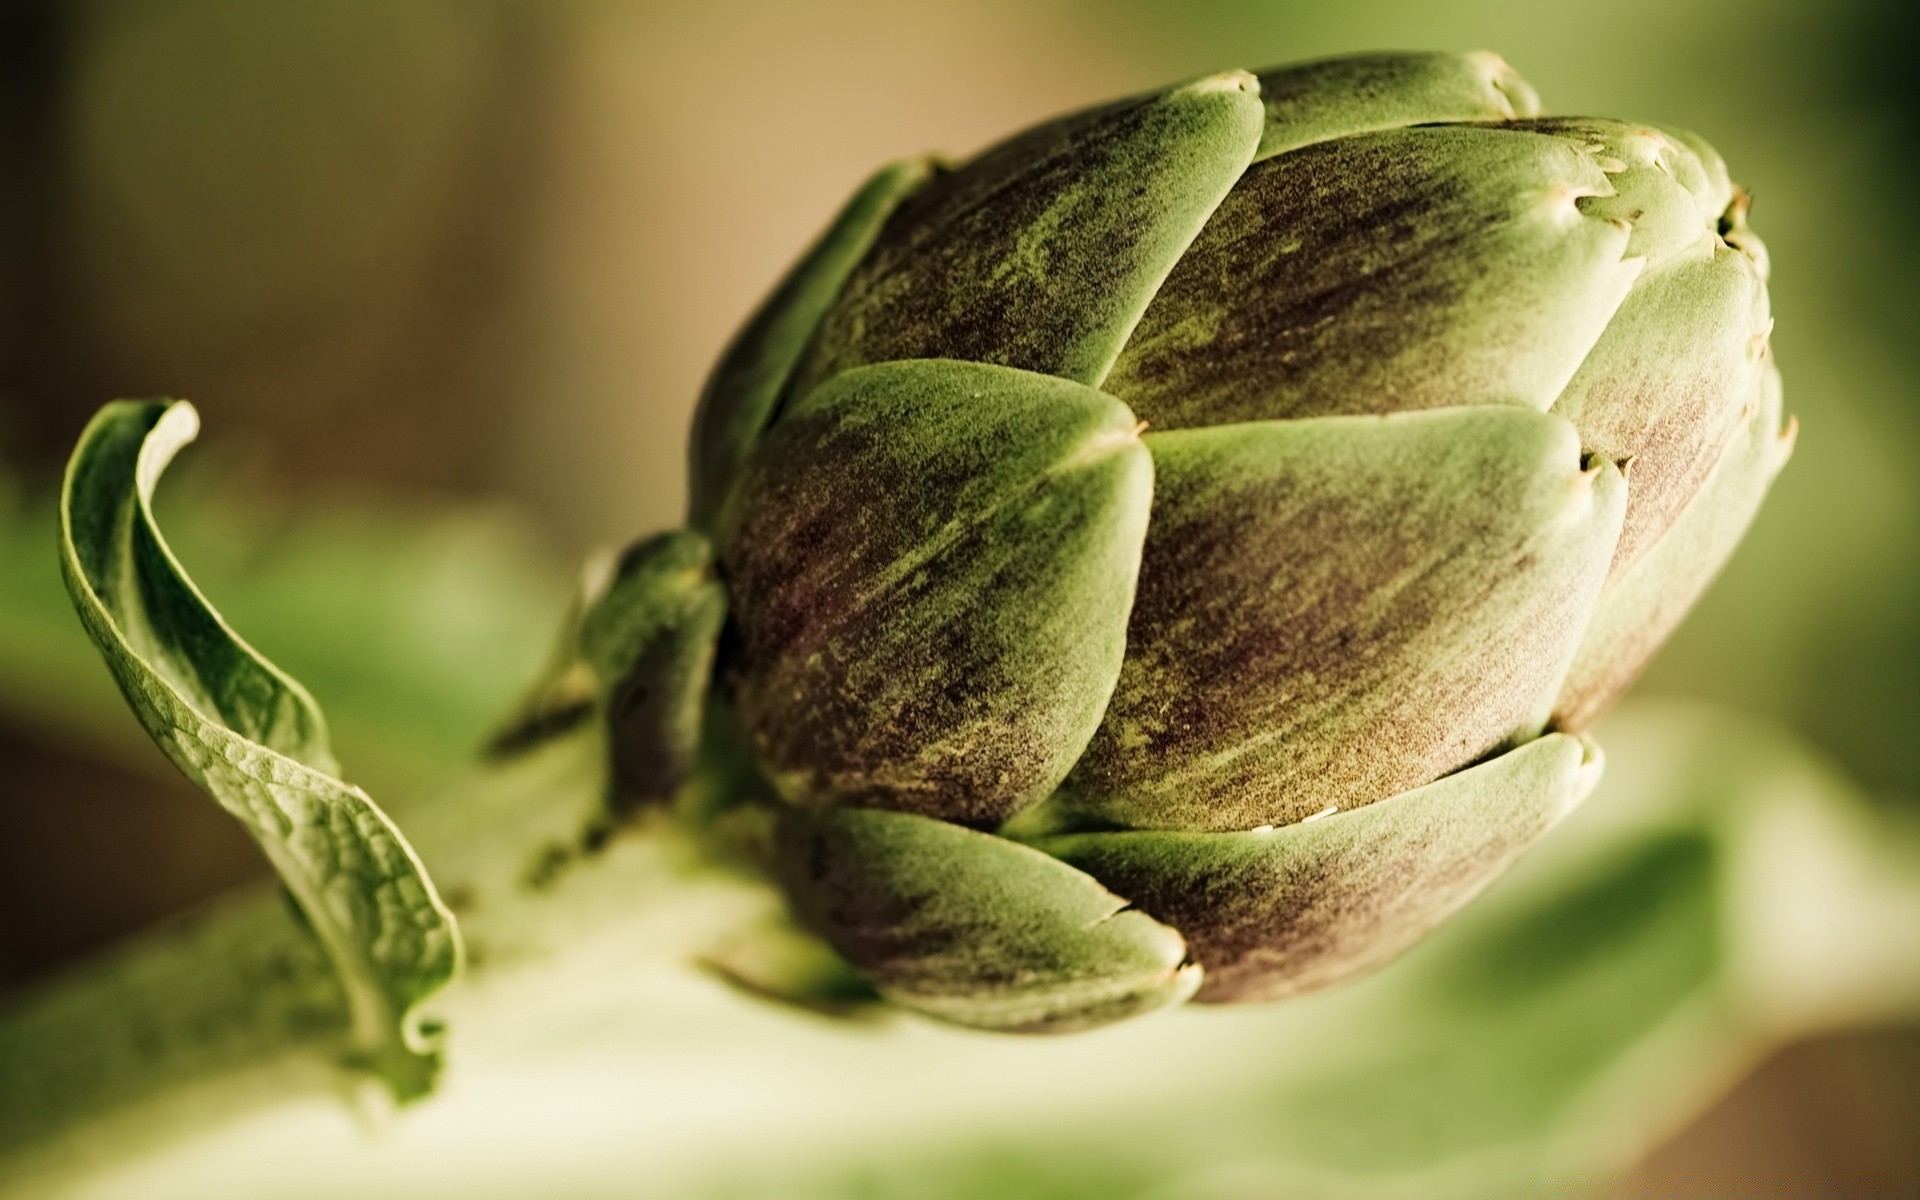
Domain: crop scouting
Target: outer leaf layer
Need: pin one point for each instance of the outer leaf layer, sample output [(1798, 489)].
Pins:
[(975, 929), (1414, 268), (741, 397), (1333, 611), (931, 565), (1272, 913), (253, 739), (637, 650), (1645, 601), (1670, 384), (1656, 187), (1338, 97), (1043, 252), (651, 642)]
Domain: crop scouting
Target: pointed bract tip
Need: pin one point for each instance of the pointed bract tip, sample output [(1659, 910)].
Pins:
[(1227, 81), (1735, 232), (1593, 764), (1518, 97), (1783, 443)]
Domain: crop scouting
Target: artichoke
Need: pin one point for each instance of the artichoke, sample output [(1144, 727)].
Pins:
[(1175, 552)]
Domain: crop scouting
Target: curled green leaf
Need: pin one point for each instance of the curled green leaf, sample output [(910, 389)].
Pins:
[(254, 740)]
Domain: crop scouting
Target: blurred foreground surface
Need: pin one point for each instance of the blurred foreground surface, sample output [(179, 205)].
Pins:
[(1724, 891), (430, 253)]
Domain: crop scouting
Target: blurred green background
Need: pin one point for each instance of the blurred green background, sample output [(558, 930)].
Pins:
[(469, 260)]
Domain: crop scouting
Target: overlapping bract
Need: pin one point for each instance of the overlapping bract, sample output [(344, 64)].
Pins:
[(1228, 503)]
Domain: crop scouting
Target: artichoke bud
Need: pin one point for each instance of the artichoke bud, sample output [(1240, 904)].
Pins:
[(1178, 547)]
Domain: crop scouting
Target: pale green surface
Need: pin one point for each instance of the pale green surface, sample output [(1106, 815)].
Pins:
[(1722, 889), (1670, 380), (254, 740)]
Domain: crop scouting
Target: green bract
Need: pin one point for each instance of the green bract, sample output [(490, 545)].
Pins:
[(1180, 546)]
